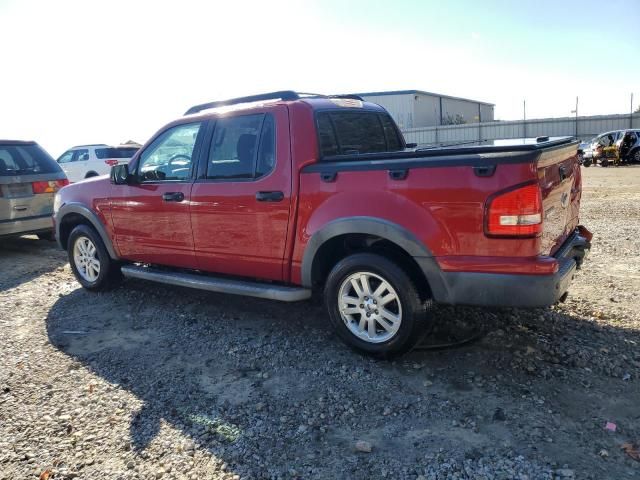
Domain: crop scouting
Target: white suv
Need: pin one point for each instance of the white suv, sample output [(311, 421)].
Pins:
[(85, 161)]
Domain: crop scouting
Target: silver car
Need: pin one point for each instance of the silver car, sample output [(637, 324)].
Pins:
[(29, 179)]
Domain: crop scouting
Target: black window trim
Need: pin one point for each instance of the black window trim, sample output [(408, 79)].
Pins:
[(317, 113), (194, 157), (208, 144)]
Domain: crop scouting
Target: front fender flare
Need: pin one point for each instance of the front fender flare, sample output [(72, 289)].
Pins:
[(93, 219)]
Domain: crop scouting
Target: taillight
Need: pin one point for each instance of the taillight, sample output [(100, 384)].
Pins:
[(50, 186), (111, 162), (517, 212)]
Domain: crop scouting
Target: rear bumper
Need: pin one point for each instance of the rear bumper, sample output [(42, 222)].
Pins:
[(23, 226), (518, 290)]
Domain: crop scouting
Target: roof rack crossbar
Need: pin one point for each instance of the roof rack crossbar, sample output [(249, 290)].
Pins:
[(281, 95)]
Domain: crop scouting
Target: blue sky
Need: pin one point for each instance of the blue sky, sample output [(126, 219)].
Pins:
[(107, 71)]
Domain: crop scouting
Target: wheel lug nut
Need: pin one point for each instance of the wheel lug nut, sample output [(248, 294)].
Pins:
[(361, 305), (368, 314), (376, 312), (375, 302)]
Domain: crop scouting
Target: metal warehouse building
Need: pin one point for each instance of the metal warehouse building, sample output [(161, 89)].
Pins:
[(416, 108)]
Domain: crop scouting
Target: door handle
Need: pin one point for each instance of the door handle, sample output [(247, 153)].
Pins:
[(270, 196), (173, 197)]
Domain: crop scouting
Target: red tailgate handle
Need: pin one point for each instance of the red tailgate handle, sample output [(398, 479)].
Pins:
[(563, 172)]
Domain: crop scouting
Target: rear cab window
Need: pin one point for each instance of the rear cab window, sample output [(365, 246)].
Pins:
[(25, 159), (354, 133)]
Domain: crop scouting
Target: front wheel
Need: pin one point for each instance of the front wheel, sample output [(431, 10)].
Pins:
[(587, 163), (374, 305), (90, 262), (604, 162)]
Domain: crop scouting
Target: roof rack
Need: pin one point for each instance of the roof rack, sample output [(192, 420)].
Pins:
[(280, 95)]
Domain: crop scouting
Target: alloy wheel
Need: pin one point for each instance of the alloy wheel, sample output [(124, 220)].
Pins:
[(370, 307), (85, 257)]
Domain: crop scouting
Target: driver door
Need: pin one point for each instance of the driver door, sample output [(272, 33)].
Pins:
[(151, 218)]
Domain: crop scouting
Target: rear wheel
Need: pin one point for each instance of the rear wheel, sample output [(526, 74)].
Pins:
[(90, 262), (91, 174), (587, 162), (635, 156), (604, 162), (374, 305)]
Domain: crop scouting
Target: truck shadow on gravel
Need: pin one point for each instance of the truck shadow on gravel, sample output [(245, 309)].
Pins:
[(17, 255), (267, 388)]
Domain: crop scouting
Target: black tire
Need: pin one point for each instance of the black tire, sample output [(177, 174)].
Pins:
[(91, 174), (587, 163), (413, 320), (109, 275), (635, 156), (48, 236), (604, 162)]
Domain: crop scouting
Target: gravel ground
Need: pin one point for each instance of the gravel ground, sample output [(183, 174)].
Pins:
[(152, 381)]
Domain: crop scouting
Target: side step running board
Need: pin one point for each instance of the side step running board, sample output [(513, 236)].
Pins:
[(217, 284)]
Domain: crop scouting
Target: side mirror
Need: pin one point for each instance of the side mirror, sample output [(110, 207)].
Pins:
[(120, 175)]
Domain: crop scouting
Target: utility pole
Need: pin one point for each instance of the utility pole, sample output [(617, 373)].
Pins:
[(524, 116), (576, 112)]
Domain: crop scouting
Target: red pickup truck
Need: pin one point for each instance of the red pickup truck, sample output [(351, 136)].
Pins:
[(279, 195)]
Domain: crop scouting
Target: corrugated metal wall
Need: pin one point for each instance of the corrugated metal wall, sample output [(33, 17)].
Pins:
[(417, 110), (588, 127), (400, 107)]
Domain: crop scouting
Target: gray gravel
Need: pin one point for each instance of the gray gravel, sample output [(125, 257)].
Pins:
[(152, 381)]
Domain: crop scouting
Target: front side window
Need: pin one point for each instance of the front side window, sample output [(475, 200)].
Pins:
[(66, 157), (243, 147), (353, 133), (169, 157)]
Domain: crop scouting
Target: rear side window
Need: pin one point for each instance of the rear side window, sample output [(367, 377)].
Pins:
[(81, 155), (243, 147), (350, 133), (115, 152), (25, 160)]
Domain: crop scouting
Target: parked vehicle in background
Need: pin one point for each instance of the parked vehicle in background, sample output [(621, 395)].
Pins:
[(286, 193), (629, 146), (86, 161), (29, 179), (599, 149), (584, 151)]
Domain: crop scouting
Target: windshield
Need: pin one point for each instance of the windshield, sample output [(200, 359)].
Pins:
[(25, 159)]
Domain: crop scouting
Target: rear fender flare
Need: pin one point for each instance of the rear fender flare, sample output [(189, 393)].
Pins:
[(93, 219), (390, 231)]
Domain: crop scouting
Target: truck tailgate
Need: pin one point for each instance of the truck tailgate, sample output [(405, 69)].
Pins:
[(560, 184)]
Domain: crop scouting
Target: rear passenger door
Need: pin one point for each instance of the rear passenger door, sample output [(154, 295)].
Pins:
[(241, 199)]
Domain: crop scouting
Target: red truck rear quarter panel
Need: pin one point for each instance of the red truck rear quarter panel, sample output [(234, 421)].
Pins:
[(443, 207)]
